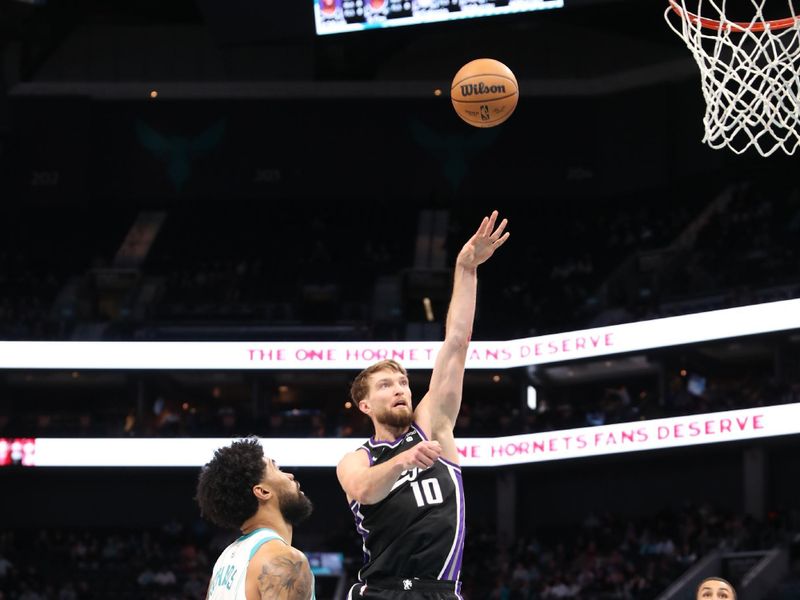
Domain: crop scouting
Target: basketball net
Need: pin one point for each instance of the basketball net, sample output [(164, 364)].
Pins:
[(749, 73)]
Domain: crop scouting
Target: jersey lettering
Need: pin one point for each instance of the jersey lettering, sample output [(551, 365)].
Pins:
[(223, 577), (431, 492), (229, 577), (408, 475)]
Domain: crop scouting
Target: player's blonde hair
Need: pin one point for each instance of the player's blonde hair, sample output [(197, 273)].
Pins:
[(360, 386)]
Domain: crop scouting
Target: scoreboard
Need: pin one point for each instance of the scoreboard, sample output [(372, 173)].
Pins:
[(341, 16)]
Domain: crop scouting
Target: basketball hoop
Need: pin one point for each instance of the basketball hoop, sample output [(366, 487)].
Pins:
[(749, 74)]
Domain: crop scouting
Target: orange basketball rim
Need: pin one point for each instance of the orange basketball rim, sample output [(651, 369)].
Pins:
[(716, 25)]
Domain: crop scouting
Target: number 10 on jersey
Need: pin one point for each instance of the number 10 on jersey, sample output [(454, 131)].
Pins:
[(427, 491)]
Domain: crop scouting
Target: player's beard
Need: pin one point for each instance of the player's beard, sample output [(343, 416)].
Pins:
[(395, 419), (295, 507)]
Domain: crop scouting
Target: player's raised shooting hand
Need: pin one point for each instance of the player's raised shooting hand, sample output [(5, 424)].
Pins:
[(422, 456), (482, 245)]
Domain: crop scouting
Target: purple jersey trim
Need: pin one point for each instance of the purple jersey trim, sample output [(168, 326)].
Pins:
[(419, 431), (452, 568), (355, 508), (393, 444), (462, 526), (450, 463), (369, 454)]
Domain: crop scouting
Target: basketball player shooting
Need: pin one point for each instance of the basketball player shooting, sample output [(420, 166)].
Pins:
[(404, 484), (242, 489)]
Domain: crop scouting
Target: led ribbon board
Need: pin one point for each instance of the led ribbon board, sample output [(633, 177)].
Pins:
[(342, 16), (728, 426), (560, 347)]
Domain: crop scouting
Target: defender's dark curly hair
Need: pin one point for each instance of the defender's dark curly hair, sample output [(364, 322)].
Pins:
[(225, 485)]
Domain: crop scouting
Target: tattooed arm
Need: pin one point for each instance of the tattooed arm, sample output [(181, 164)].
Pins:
[(279, 572)]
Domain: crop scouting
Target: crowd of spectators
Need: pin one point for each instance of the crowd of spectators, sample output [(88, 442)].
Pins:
[(645, 255), (169, 563), (751, 243), (45, 268), (59, 275), (122, 410), (301, 266), (611, 558), (562, 256), (605, 557), (743, 253), (322, 266)]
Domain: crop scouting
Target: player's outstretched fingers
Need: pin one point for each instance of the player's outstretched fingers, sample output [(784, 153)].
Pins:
[(499, 231)]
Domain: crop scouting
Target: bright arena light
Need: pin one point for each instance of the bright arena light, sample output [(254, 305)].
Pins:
[(619, 438), (531, 396), (560, 347)]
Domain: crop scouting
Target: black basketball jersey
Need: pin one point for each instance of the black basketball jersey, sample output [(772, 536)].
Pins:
[(418, 529)]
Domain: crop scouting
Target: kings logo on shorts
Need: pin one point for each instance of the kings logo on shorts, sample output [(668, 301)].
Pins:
[(476, 89)]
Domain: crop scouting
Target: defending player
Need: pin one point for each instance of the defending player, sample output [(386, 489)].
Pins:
[(242, 489)]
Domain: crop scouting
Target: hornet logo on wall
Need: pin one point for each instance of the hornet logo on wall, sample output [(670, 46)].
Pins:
[(178, 152), (453, 150)]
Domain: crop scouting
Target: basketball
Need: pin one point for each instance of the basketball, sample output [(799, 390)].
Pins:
[(484, 92)]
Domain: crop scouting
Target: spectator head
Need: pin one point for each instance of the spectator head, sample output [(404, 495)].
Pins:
[(715, 588)]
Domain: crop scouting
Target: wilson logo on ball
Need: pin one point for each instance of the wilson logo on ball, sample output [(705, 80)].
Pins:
[(476, 89), (484, 92)]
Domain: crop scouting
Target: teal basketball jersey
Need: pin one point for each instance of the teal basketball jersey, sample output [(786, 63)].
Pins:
[(230, 570)]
